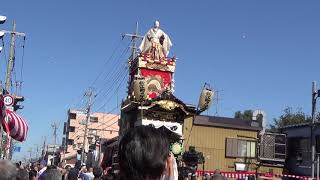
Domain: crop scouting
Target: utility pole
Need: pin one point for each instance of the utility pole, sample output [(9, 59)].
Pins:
[(315, 94), (54, 127), (43, 153), (134, 38), (11, 58), (88, 94), (10, 66)]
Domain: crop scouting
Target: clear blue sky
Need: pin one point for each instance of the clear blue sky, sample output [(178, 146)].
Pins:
[(260, 54)]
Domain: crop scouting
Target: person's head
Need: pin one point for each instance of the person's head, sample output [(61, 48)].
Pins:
[(7, 170), (143, 152), (90, 169), (32, 175), (17, 166), (73, 174), (22, 174), (97, 172), (43, 164), (218, 177), (51, 173), (61, 165), (67, 167)]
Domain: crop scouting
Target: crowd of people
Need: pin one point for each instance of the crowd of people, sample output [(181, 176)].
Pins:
[(143, 155), (40, 171)]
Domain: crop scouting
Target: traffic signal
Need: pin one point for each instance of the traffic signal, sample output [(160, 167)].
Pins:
[(16, 104)]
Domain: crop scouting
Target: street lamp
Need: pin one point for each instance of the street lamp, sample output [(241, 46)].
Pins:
[(3, 19)]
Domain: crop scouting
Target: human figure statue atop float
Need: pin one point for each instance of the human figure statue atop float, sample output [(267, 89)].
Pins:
[(156, 42)]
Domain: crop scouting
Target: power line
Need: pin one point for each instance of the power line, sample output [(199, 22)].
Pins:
[(114, 70), (114, 83), (106, 63), (22, 59), (103, 69), (124, 77)]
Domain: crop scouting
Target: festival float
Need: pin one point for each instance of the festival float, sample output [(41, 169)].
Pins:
[(150, 100)]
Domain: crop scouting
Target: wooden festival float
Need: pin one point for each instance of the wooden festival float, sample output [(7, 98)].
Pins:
[(150, 100)]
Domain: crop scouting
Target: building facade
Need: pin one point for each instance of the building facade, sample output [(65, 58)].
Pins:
[(101, 126), (299, 142), (226, 142)]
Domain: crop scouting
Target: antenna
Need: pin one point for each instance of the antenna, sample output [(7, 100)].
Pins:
[(217, 100), (134, 38)]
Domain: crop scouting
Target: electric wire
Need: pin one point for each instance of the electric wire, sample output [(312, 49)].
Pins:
[(22, 59), (114, 70), (107, 62), (123, 78), (103, 69), (114, 83)]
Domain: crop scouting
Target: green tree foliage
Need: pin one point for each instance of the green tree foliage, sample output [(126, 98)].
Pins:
[(246, 115), (290, 117)]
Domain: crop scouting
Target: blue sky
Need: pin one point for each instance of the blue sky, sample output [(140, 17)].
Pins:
[(258, 54)]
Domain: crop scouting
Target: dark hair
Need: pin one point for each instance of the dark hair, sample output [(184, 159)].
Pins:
[(7, 170), (51, 174), (97, 172), (32, 173), (143, 152), (22, 174), (73, 174)]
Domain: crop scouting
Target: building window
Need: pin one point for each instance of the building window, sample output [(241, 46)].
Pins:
[(90, 140), (72, 116), (70, 141), (71, 128), (92, 132), (240, 148), (94, 119)]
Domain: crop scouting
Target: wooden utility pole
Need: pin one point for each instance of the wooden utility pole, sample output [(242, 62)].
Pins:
[(8, 82), (88, 94), (134, 38), (11, 60)]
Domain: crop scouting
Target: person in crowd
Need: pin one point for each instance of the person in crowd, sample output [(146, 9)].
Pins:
[(65, 175), (62, 170), (89, 173), (97, 173), (7, 170), (143, 154), (218, 177), (51, 173), (73, 174), (22, 174), (83, 171), (33, 174), (42, 168)]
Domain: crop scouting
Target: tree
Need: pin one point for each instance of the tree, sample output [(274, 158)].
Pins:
[(290, 117), (246, 115)]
